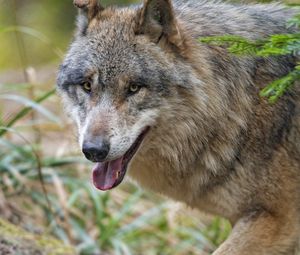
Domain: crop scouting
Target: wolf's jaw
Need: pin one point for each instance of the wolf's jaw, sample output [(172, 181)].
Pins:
[(107, 175)]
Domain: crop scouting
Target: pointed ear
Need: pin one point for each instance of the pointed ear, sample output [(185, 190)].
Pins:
[(157, 20), (88, 9)]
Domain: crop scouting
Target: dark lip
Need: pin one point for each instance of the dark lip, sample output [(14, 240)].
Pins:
[(136, 145), (130, 154)]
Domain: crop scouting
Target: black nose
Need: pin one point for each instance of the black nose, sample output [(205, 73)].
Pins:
[(96, 150)]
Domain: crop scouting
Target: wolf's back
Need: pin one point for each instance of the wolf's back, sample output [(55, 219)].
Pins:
[(203, 18)]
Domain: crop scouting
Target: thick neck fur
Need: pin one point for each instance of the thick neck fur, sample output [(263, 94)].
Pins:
[(190, 140)]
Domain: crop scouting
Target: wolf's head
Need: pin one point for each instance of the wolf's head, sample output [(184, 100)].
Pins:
[(121, 68)]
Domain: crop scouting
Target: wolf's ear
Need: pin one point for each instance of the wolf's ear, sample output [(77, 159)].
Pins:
[(157, 20), (88, 9)]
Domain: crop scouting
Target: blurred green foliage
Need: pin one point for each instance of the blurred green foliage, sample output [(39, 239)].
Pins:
[(274, 45)]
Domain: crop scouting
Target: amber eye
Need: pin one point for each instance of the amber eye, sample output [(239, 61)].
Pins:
[(133, 88), (87, 87)]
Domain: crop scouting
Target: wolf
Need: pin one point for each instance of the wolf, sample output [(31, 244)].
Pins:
[(184, 118)]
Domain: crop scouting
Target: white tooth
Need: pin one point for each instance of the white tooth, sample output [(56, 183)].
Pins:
[(118, 174)]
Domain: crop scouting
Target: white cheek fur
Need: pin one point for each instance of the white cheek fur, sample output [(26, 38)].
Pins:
[(120, 134)]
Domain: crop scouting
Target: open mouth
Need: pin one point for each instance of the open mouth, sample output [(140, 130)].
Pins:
[(109, 174)]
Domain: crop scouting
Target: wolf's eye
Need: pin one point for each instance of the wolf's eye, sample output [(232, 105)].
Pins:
[(87, 87), (134, 88)]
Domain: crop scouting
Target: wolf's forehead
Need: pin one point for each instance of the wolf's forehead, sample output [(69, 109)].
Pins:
[(114, 23), (112, 44), (113, 58), (108, 48)]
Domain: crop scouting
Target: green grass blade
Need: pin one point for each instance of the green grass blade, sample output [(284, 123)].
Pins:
[(29, 103), (25, 111)]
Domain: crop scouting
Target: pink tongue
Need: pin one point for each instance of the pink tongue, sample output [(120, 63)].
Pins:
[(107, 175)]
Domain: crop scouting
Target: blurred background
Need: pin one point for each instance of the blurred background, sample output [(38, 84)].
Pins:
[(45, 181)]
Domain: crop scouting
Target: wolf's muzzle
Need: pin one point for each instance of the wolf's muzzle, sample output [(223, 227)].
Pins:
[(96, 149)]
